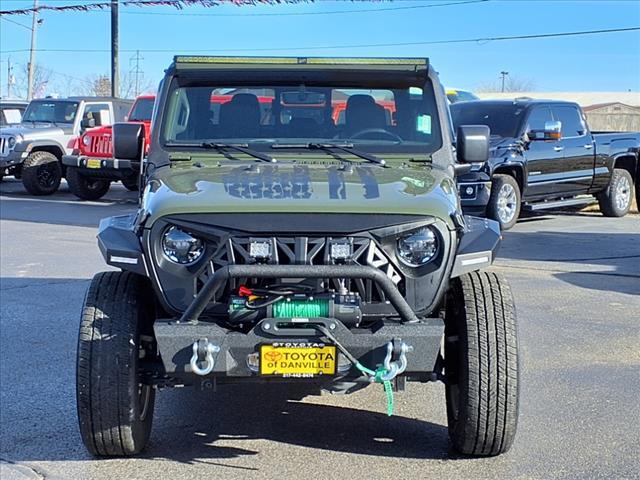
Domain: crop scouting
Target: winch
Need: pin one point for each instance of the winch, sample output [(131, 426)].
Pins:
[(252, 305)]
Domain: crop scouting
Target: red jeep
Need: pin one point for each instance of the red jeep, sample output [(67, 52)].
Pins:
[(91, 168)]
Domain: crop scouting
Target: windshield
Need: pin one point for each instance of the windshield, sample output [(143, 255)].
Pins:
[(142, 110), (502, 120), (51, 111), (394, 119)]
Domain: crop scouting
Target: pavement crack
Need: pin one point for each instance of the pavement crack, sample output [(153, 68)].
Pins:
[(31, 285), (39, 474)]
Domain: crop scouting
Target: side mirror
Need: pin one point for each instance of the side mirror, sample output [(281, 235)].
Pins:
[(472, 143), (128, 141), (87, 123), (552, 131)]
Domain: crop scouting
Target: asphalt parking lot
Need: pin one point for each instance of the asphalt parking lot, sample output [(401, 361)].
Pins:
[(576, 279)]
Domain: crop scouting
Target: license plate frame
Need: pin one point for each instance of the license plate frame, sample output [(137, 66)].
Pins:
[(298, 366), (94, 163)]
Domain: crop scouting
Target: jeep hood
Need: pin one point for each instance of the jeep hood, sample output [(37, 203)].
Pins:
[(360, 188), (38, 130)]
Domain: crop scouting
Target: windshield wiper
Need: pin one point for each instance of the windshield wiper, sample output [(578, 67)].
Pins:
[(242, 148), (328, 147)]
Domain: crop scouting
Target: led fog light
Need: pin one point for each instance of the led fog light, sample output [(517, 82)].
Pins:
[(340, 251), (418, 248), (181, 247), (260, 250)]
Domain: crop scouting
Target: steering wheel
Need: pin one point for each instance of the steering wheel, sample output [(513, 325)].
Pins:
[(381, 131)]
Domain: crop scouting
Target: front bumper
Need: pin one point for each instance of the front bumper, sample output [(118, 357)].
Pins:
[(110, 168), (368, 345)]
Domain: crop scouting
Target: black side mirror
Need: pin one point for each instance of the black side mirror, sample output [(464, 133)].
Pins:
[(128, 141), (472, 143), (87, 123)]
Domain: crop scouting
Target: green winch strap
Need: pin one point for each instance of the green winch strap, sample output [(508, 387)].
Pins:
[(301, 308), (389, 391), (377, 376)]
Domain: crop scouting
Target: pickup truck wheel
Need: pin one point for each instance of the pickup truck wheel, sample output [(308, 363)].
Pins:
[(504, 201), (131, 183), (481, 364), (115, 408), (615, 201), (86, 188), (41, 173)]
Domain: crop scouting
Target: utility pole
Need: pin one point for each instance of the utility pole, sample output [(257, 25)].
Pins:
[(32, 51), (9, 70), (504, 76), (115, 70), (136, 71)]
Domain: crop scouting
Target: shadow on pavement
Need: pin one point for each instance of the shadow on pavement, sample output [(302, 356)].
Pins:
[(619, 252), (62, 208)]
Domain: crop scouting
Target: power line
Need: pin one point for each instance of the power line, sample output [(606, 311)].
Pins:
[(16, 23), (299, 14), (480, 40)]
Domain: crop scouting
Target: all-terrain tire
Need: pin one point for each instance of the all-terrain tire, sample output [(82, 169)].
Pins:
[(86, 188), (131, 183), (41, 173), (616, 200), (504, 210), (481, 364), (114, 410)]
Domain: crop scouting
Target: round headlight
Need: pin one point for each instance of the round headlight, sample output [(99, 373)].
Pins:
[(86, 140), (181, 247), (418, 248), (11, 142)]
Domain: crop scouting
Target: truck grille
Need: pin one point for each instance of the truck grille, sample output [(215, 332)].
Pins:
[(307, 251), (100, 145), (4, 146)]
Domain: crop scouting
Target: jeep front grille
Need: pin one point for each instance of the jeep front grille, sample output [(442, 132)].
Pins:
[(4, 146), (100, 144), (307, 251)]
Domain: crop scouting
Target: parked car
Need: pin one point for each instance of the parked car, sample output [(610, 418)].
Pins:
[(91, 167), (456, 95), (544, 156), (33, 149), (11, 111), (267, 250)]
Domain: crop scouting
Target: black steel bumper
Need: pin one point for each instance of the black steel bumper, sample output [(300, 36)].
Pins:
[(175, 341), (110, 168), (475, 190)]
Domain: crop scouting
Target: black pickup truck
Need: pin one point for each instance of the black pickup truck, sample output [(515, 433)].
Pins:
[(544, 156)]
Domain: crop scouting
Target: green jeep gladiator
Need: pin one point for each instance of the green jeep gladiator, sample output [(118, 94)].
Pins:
[(279, 242)]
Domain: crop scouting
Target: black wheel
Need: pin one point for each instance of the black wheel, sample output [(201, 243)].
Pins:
[(86, 188), (131, 183), (504, 201), (481, 364), (615, 201), (115, 408), (41, 173)]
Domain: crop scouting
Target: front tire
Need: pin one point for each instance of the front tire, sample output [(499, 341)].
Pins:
[(131, 183), (115, 409), (481, 364), (41, 173), (615, 201), (86, 188), (504, 201)]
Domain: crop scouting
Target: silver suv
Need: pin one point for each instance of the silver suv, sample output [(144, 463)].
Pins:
[(33, 149)]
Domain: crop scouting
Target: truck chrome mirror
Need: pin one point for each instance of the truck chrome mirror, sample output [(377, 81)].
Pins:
[(128, 141), (552, 131), (472, 143)]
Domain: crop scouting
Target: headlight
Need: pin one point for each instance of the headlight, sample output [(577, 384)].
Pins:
[(86, 140), (11, 142), (181, 247), (418, 248)]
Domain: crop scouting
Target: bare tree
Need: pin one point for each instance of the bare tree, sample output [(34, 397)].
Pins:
[(41, 80), (511, 84), (100, 85)]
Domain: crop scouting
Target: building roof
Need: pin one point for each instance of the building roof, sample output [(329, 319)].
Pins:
[(608, 104), (581, 98)]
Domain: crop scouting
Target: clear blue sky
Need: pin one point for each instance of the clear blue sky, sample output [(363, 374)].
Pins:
[(609, 62)]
